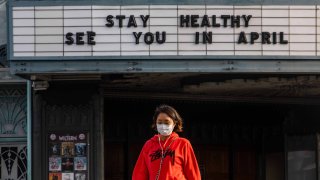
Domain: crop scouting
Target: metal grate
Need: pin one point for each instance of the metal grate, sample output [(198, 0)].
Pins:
[(13, 112), (13, 161)]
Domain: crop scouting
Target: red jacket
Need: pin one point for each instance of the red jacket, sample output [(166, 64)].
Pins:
[(179, 162)]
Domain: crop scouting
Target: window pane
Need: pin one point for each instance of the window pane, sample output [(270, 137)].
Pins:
[(301, 158), (318, 144)]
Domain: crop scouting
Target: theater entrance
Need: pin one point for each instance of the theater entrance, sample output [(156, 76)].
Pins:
[(232, 140)]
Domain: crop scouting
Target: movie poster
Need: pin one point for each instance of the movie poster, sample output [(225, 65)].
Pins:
[(67, 149), (55, 176), (80, 176), (80, 163), (54, 148), (67, 176), (54, 164), (80, 149), (67, 164)]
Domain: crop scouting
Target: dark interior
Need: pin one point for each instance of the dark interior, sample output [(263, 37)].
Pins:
[(232, 141)]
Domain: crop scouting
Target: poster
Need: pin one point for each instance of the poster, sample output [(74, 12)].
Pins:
[(81, 149), (67, 164), (68, 156), (67, 176), (54, 164), (55, 176), (80, 163), (54, 148), (80, 176), (67, 149)]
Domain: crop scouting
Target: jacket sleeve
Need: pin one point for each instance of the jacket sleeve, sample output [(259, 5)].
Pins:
[(140, 171), (191, 168)]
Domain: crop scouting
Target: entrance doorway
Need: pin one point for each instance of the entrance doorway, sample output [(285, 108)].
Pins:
[(232, 141)]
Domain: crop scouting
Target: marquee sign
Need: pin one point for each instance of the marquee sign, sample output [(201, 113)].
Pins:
[(171, 30)]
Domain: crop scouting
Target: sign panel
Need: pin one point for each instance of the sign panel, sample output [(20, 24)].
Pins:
[(171, 30)]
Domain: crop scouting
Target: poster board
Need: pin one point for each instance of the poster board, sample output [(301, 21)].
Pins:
[(68, 156)]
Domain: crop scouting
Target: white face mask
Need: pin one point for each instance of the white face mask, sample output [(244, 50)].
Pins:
[(164, 129)]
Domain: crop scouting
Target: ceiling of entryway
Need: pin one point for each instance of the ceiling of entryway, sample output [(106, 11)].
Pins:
[(265, 85), (245, 87)]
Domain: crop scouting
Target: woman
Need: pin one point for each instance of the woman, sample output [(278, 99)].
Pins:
[(166, 156)]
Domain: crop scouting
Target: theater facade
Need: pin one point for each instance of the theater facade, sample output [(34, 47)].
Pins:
[(244, 75)]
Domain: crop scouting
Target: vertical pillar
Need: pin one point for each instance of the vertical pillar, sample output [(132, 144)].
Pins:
[(98, 131), (29, 130)]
